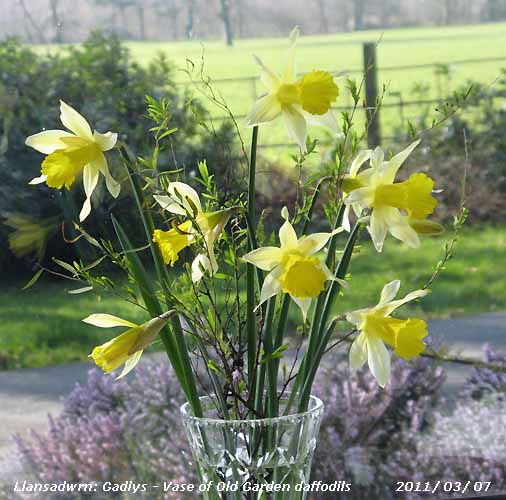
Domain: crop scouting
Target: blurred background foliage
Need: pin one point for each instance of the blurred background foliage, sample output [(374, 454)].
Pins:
[(99, 79)]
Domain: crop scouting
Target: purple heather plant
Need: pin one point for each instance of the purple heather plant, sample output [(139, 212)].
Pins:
[(371, 437)]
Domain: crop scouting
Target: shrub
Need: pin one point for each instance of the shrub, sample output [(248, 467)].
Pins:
[(100, 80)]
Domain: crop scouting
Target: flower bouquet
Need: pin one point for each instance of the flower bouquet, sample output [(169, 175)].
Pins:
[(219, 292)]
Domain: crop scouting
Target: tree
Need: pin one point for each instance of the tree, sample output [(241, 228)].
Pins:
[(55, 18), (190, 18), (358, 14), (324, 25), (493, 10), (224, 14)]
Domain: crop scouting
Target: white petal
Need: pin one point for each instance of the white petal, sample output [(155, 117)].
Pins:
[(406, 234), (346, 219), (105, 141), (271, 285), (363, 196), (48, 141), (90, 179), (377, 158), (304, 305), (113, 186), (181, 193), (290, 71), (130, 364), (391, 168), (390, 307), (296, 125), (38, 180), (355, 317), (389, 292), (107, 321), (358, 352), (378, 358), (378, 228), (264, 110), (328, 120), (75, 122), (359, 160), (287, 236), (313, 243), (200, 265), (268, 77), (168, 204), (265, 258)]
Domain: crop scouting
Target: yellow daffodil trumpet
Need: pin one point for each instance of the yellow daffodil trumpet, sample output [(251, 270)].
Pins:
[(72, 153), (376, 328), (298, 100), (127, 348)]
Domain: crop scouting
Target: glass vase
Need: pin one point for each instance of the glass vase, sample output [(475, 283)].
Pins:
[(268, 458)]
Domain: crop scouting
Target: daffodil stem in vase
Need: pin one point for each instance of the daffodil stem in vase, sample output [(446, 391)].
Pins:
[(250, 270)]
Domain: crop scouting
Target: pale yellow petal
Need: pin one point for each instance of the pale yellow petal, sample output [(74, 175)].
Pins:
[(392, 167), (107, 321), (130, 364), (287, 236), (304, 304), (264, 110), (185, 196), (75, 122), (38, 180), (48, 141), (113, 186), (358, 352), (389, 292), (105, 141), (378, 358), (90, 180), (271, 285), (296, 126), (266, 258)]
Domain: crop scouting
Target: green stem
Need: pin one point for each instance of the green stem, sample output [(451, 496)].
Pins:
[(315, 357), (251, 325), (183, 358)]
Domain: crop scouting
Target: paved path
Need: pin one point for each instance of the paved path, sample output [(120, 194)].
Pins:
[(28, 395)]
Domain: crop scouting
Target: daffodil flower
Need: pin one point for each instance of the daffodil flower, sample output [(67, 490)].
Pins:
[(30, 235), (184, 200), (398, 208), (70, 153), (294, 269), (377, 328), (127, 348), (298, 101)]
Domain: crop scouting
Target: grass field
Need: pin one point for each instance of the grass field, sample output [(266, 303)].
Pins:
[(42, 325), (342, 53)]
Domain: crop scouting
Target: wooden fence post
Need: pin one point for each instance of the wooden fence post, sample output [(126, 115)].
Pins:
[(371, 95)]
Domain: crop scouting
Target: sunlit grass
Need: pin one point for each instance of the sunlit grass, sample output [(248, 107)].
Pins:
[(42, 325)]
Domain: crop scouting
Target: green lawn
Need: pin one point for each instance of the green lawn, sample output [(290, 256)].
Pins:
[(342, 53), (42, 325)]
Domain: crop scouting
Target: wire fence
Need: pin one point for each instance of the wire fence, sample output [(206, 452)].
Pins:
[(392, 100)]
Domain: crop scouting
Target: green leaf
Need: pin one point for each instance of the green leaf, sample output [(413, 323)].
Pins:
[(277, 354), (65, 266), (34, 279), (80, 290)]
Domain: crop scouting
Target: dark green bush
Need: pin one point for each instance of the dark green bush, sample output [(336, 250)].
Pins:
[(99, 79)]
